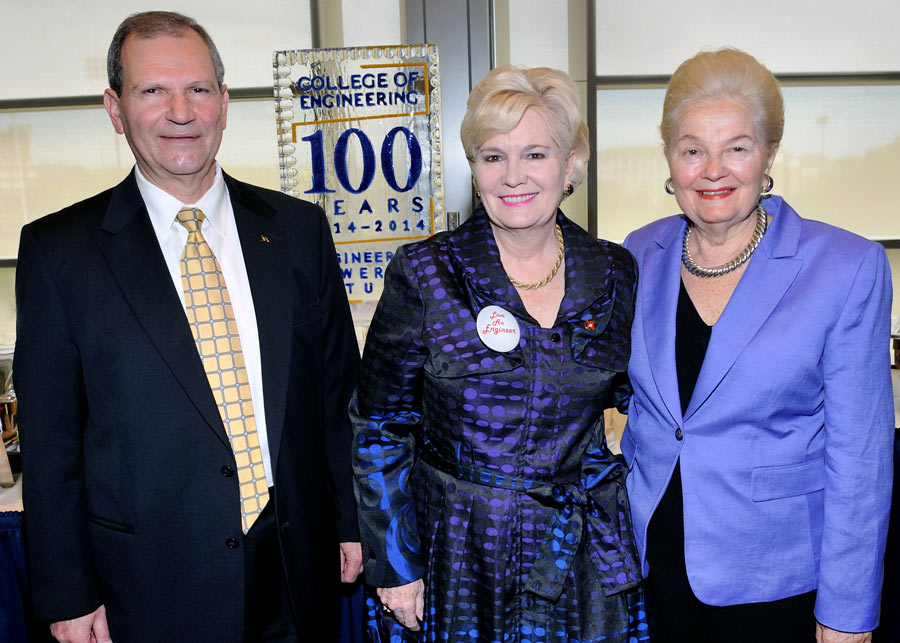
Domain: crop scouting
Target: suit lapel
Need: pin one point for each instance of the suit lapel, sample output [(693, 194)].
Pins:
[(132, 252), (267, 260), (769, 274), (660, 274)]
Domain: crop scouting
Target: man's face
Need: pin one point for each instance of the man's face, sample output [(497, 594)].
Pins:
[(171, 110)]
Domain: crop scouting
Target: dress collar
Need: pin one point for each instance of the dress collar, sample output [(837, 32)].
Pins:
[(475, 257)]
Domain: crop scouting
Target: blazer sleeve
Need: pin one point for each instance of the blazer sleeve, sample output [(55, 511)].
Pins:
[(859, 432), (341, 360), (622, 391), (386, 412), (52, 415)]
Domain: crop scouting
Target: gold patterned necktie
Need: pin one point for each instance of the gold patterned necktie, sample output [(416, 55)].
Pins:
[(213, 325)]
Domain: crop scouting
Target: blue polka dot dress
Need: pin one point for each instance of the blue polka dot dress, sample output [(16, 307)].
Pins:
[(485, 472)]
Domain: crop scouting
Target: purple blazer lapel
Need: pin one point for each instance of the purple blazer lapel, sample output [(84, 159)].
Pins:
[(769, 274), (661, 273)]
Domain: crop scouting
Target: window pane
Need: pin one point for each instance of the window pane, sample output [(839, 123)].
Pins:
[(801, 36), (371, 22), (7, 311), (539, 33), (74, 37), (630, 164)]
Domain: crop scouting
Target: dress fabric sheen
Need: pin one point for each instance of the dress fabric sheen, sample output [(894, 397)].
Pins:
[(486, 473)]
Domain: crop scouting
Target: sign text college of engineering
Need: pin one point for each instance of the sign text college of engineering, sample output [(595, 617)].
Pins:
[(359, 133)]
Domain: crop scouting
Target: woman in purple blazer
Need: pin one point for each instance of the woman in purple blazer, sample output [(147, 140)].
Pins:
[(760, 429)]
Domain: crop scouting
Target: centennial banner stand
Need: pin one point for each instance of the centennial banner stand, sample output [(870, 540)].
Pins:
[(359, 133)]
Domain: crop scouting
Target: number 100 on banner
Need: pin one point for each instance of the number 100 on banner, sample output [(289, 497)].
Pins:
[(359, 134)]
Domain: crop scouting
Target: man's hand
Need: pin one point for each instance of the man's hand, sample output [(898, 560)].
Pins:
[(90, 628), (351, 561), (407, 603), (828, 635)]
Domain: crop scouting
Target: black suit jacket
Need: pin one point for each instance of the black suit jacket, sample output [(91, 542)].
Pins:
[(129, 501)]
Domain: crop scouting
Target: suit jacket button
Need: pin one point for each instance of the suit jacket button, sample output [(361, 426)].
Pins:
[(227, 471), (232, 543), (679, 435), (555, 337)]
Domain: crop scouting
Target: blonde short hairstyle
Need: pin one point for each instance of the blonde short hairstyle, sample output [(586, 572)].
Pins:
[(498, 102), (725, 74)]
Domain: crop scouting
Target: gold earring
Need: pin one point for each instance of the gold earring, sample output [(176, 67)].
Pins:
[(570, 189)]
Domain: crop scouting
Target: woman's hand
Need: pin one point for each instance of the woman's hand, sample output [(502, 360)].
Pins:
[(828, 635), (406, 603)]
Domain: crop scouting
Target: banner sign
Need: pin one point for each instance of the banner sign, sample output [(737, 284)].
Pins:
[(359, 133)]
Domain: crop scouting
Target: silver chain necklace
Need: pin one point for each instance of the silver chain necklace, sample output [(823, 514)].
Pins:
[(762, 222)]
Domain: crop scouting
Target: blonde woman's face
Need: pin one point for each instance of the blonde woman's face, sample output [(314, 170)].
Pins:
[(521, 174)]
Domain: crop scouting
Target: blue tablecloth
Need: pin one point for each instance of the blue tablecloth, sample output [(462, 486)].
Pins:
[(13, 580)]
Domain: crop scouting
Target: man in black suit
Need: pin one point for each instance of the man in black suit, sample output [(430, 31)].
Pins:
[(169, 497)]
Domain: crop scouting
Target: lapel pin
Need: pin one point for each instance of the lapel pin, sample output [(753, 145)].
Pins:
[(264, 238), (589, 324)]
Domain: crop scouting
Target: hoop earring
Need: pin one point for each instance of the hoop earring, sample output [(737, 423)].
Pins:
[(668, 186), (769, 185), (570, 189)]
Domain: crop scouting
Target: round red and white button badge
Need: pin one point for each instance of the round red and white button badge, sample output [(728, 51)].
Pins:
[(498, 329)]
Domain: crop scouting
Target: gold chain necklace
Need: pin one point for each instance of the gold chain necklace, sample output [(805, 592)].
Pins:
[(546, 280)]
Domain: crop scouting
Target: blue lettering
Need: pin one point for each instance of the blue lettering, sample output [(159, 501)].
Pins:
[(417, 205), (392, 205), (368, 159), (414, 155), (365, 207)]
